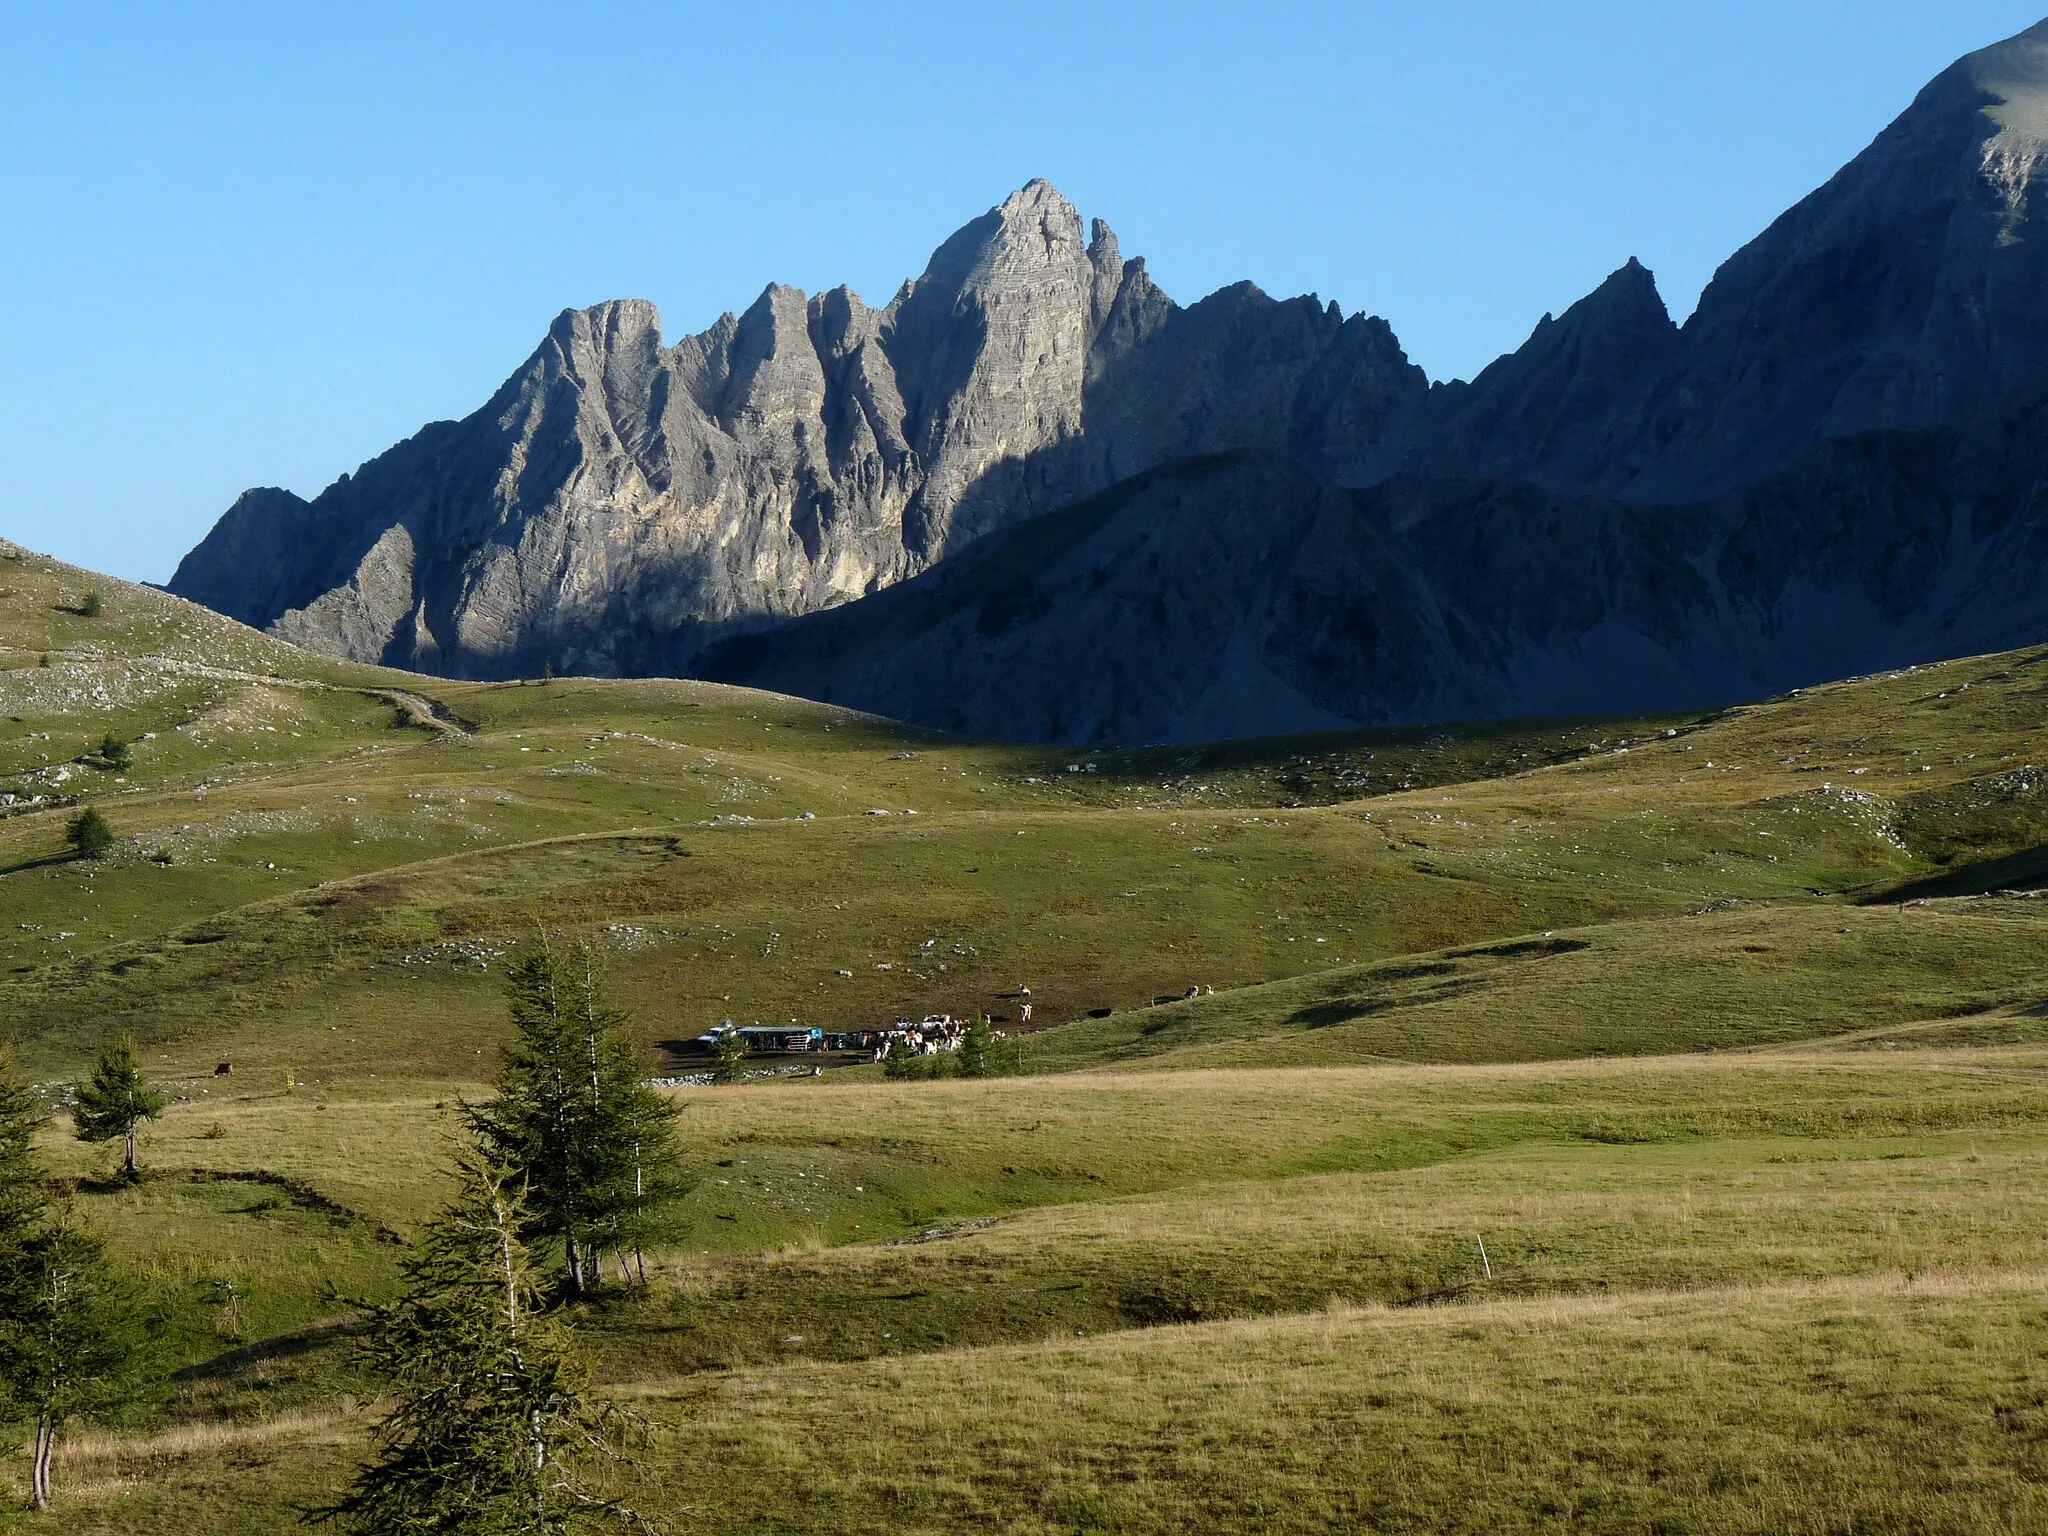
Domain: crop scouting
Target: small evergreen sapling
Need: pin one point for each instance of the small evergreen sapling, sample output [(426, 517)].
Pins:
[(69, 1336), (906, 1066), (90, 835), (24, 1187), (978, 1050), (114, 1102), (115, 754), (729, 1047), (493, 1428)]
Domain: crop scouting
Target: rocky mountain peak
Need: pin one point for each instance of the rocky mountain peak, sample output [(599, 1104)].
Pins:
[(1623, 322), (1809, 466), (1908, 293), (1549, 410), (1033, 233), (991, 346), (582, 342), (2013, 76), (1106, 262), (618, 503), (1040, 209)]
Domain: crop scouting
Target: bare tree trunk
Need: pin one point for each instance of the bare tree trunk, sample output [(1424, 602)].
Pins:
[(639, 1214), (46, 1445), (537, 1439), (131, 1149), (573, 1256), (540, 1476)]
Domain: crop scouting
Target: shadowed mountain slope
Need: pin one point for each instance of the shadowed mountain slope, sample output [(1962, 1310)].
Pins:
[(1249, 514), (1240, 595)]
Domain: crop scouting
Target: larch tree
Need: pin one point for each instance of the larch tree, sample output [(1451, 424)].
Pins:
[(592, 1143), (114, 1102), (492, 1427), (69, 1334)]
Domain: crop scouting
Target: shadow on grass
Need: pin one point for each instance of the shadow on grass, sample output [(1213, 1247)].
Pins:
[(115, 1183), (2026, 870), (68, 856), (285, 1346)]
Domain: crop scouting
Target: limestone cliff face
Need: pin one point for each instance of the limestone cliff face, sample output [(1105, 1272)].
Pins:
[(1034, 497), (1833, 466), (1241, 595), (620, 503)]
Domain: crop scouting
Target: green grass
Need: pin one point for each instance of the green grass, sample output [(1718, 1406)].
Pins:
[(1817, 1330), (1705, 1025), (369, 864), (1099, 1201), (1752, 975)]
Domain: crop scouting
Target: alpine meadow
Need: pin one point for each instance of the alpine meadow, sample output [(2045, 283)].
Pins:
[(1294, 951)]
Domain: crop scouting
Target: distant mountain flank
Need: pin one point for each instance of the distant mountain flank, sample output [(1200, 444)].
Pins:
[(1033, 497)]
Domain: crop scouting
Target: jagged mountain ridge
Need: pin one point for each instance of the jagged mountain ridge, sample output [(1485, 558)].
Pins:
[(1460, 599), (1832, 465), (618, 502)]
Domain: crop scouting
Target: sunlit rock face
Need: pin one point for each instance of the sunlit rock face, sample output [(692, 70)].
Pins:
[(1033, 497), (619, 502)]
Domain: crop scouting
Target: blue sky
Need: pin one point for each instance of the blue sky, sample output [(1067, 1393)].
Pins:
[(256, 244)]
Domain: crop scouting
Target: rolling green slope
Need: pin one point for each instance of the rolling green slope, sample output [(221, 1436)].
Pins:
[(1724, 1034), (294, 830)]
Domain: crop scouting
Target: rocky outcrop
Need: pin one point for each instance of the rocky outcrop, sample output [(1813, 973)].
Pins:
[(1034, 497), (620, 503), (1241, 595)]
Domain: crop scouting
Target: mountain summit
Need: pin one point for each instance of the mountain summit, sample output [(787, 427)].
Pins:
[(1035, 497), (619, 503)]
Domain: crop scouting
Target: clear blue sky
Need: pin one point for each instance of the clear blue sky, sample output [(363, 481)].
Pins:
[(256, 244)]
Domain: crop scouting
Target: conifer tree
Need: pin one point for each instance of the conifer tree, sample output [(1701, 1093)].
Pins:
[(112, 1105), (24, 1187), (115, 753), (68, 1334), (729, 1047), (493, 1428), (574, 1118), (978, 1049), (644, 1212), (90, 835)]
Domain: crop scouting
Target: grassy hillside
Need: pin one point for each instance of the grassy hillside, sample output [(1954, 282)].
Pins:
[(1724, 1034), (294, 829), (1203, 1298)]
